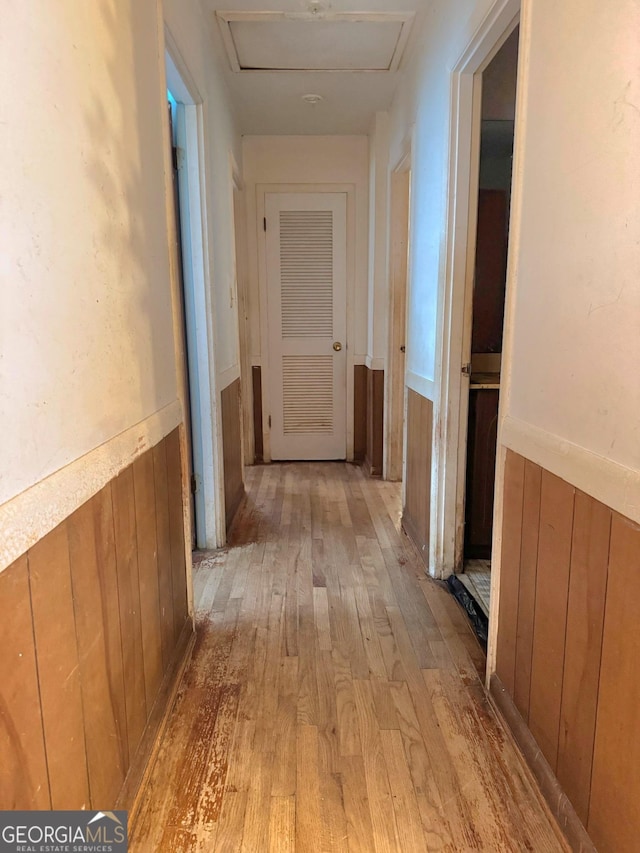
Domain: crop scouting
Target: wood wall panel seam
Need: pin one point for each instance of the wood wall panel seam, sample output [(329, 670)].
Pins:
[(95, 588), (58, 670), (163, 539), (595, 721), (583, 648), (147, 545), (615, 783), (550, 615), (510, 569), (38, 681), (176, 531), (527, 591), (24, 782), (127, 570)]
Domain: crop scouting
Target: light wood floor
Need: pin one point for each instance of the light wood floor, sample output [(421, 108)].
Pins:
[(334, 700)]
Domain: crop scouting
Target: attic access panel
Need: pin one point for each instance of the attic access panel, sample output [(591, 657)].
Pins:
[(348, 41)]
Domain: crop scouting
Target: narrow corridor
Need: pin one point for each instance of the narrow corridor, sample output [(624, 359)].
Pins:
[(334, 699)]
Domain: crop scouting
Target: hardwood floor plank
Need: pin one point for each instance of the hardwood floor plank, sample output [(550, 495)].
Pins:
[(405, 804), (321, 613), (285, 728), (385, 833), (356, 805), (308, 817), (348, 734), (354, 716), (231, 823), (282, 825)]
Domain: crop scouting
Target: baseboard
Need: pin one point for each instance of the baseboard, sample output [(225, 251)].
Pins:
[(421, 548), (129, 795), (557, 801)]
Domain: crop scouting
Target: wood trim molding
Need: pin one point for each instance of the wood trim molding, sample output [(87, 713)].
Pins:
[(557, 801), (28, 517), (228, 376), (614, 485), (374, 363), (421, 385)]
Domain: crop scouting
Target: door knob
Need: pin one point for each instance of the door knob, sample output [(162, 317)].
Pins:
[(337, 346)]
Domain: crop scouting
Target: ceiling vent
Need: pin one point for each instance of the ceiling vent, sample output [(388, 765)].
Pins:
[(340, 41)]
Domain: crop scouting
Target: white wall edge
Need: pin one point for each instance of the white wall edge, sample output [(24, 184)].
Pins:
[(421, 385), (226, 377), (609, 482), (374, 363), (28, 517)]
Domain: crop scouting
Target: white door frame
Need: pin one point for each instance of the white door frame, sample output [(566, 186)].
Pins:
[(207, 459), (261, 191), (448, 477), (244, 355), (395, 391)]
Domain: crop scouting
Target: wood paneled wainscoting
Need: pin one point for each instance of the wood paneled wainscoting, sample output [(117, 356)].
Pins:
[(368, 418), (416, 511), (232, 450), (94, 629), (568, 651)]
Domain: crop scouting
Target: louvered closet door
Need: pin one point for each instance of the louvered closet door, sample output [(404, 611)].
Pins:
[(307, 307)]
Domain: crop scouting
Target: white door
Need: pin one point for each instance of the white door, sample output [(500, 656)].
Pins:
[(307, 308)]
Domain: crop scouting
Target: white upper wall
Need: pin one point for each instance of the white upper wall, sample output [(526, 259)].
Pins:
[(421, 107), (86, 332), (87, 327), (309, 160), (576, 330), (576, 267)]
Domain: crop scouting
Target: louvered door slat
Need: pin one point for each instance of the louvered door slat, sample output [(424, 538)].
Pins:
[(306, 273)]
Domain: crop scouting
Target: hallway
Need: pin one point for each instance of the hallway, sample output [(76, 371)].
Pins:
[(334, 699)]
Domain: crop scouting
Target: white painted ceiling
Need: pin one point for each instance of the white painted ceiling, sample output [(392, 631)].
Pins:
[(334, 36)]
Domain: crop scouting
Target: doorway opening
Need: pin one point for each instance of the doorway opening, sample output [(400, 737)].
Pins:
[(193, 302), (484, 321)]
